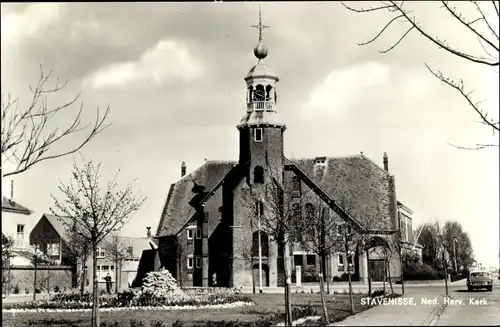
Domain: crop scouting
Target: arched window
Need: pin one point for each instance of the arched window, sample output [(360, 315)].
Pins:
[(309, 210), (264, 244), (295, 184), (269, 88), (259, 93), (250, 93), (258, 175)]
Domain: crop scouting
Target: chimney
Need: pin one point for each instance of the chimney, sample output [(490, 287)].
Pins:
[(12, 190), (386, 162), (183, 169), (148, 233)]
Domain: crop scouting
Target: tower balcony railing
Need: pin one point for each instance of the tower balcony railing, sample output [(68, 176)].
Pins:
[(260, 105)]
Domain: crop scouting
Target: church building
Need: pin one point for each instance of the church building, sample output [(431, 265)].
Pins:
[(208, 235)]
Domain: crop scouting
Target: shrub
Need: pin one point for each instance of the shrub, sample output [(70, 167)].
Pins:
[(16, 289), (158, 285), (56, 289), (336, 279), (26, 291), (420, 271), (344, 277)]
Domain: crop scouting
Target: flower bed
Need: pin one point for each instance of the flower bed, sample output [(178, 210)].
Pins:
[(155, 295)]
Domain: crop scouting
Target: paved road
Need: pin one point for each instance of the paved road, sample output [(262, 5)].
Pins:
[(422, 304), (472, 308)]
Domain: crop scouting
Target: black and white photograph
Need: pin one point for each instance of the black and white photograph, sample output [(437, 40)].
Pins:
[(250, 164)]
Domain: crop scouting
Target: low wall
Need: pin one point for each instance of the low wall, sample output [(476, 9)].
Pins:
[(22, 278)]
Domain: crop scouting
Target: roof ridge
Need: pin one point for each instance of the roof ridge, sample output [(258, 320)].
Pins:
[(375, 164)]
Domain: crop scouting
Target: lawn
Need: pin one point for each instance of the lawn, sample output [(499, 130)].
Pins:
[(265, 304)]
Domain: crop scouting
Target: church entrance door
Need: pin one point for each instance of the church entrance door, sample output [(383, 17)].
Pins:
[(377, 267)]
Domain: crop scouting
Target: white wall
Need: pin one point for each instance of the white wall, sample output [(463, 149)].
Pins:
[(10, 222)]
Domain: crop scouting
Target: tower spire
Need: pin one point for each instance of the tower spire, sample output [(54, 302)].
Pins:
[(260, 27)]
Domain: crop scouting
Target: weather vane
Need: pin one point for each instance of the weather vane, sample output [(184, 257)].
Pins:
[(260, 26)]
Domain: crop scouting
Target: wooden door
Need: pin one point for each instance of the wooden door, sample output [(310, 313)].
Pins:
[(377, 270)]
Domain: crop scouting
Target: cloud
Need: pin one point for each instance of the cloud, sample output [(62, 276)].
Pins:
[(344, 87), (35, 18), (166, 60)]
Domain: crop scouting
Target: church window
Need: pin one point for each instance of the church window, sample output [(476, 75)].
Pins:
[(311, 260), (340, 262), (264, 244), (297, 259), (296, 184), (260, 208), (189, 262), (198, 262), (351, 260), (259, 93), (309, 208), (258, 135), (258, 175), (269, 88), (190, 234), (198, 233)]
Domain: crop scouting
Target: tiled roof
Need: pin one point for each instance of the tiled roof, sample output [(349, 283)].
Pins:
[(357, 184), (59, 226), (177, 210), (138, 243), (9, 205)]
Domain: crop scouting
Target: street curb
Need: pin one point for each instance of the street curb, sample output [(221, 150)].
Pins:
[(436, 314)]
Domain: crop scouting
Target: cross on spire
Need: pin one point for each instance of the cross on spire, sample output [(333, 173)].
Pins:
[(260, 27)]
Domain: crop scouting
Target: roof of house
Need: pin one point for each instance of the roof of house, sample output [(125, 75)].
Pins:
[(59, 226), (177, 210), (138, 243), (356, 178), (9, 205)]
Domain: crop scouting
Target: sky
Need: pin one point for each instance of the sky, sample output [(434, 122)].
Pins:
[(173, 76)]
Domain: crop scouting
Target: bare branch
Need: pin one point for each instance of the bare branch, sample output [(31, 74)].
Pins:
[(496, 7), (477, 147), (400, 39), (460, 89), (469, 25), (382, 31), (26, 136)]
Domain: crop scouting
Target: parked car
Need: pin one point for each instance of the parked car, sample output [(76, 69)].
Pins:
[(479, 279)]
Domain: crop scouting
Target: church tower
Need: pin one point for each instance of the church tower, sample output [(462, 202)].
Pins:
[(261, 129)]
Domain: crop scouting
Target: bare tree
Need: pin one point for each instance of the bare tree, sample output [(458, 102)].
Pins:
[(79, 251), (267, 209), (29, 131), (483, 27), (96, 211), (117, 251), (315, 231)]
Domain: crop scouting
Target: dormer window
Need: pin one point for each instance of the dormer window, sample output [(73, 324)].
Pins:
[(258, 135)]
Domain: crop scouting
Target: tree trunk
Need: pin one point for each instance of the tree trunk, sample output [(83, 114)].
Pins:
[(385, 276), (402, 272), (95, 287), (321, 291), (351, 300), (34, 278), (368, 272), (288, 279), (116, 276), (390, 281)]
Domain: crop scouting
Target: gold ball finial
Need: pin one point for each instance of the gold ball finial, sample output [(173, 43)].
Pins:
[(260, 51)]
